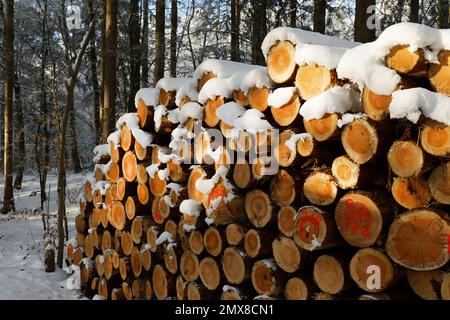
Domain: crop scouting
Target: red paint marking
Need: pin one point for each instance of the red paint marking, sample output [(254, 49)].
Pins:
[(89, 187), (158, 217), (357, 218), (309, 217), (217, 192), (448, 243)]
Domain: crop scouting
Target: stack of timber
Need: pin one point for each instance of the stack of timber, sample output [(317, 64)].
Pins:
[(332, 180)]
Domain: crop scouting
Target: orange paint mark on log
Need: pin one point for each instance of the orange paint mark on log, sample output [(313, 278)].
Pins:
[(217, 192), (357, 218)]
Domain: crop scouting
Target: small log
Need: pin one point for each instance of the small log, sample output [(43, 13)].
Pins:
[(106, 241), (298, 289), (163, 283), (158, 187), (126, 243), (438, 74), (111, 194), (236, 265), (418, 240), (435, 139), (143, 194), (145, 115), (176, 171), (167, 98), (360, 270), (138, 288), (126, 138), (258, 243), (171, 260), (240, 97), (108, 266), (235, 233), (284, 155), (242, 175), (157, 215), (281, 64), (286, 254), (312, 80), (258, 98), (209, 273), (439, 183), (286, 220), (375, 106), (124, 267), (125, 188), (406, 158), (362, 216), (142, 154), (133, 208), (141, 174), (146, 257), (286, 115), (402, 60), (193, 192), (87, 271), (189, 266), (139, 228), (126, 289), (282, 188), (203, 79), (330, 273), (136, 265), (426, 284), (117, 216), (315, 229), (210, 108), (148, 294), (267, 278), (213, 240), (320, 188), (113, 173), (129, 164), (346, 172), (181, 288), (99, 265), (323, 129), (411, 192), (116, 153), (78, 255), (196, 242), (258, 208)]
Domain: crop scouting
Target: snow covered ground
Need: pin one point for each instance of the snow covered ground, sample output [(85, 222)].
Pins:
[(22, 273)]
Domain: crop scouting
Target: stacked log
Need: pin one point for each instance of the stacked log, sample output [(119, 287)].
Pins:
[(318, 190)]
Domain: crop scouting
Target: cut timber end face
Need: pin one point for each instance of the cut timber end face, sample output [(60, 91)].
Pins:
[(141, 152), (322, 129), (440, 73), (233, 265), (258, 98), (143, 194), (158, 187), (312, 80), (436, 140), (258, 208), (171, 261), (402, 60), (329, 275), (286, 220), (445, 287), (126, 138), (181, 286), (166, 98), (193, 192), (439, 183), (375, 106), (296, 289), (212, 241), (129, 164), (196, 242), (126, 243), (203, 79), (281, 64), (282, 188), (117, 216), (252, 243), (360, 141), (345, 172), (405, 158), (241, 175), (287, 114), (234, 233), (159, 281), (418, 240), (359, 267), (286, 254), (426, 283), (209, 273), (283, 154), (239, 97), (320, 188), (189, 266), (359, 219), (211, 107), (305, 146), (263, 279), (411, 192)]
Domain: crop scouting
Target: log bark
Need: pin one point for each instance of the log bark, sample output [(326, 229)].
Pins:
[(418, 240)]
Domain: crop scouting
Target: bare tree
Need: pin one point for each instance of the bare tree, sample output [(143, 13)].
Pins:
[(414, 12), (364, 32), (102, 66), (110, 76), (259, 29), (444, 14), (293, 13), (8, 196), (20, 131), (74, 69), (173, 39), (235, 26), (134, 37), (320, 12), (159, 41), (144, 50)]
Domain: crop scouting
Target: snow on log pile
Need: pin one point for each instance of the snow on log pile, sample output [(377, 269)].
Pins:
[(357, 205)]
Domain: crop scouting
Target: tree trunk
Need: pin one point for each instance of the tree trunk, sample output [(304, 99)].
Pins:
[(414, 13), (173, 39), (159, 41), (320, 12), (293, 13), (2, 80), (110, 78), (102, 68), (444, 14), (73, 141), (8, 40), (20, 157), (144, 50), (94, 80), (133, 33), (235, 23), (259, 30), (364, 26)]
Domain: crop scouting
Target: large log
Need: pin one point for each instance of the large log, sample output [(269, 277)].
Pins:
[(320, 188), (435, 138), (281, 64), (439, 73), (411, 192), (402, 60), (286, 253), (331, 274), (236, 265), (312, 80)]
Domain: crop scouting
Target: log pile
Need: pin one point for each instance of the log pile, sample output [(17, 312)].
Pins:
[(321, 189)]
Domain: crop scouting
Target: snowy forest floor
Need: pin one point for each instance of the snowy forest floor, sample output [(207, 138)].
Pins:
[(22, 273)]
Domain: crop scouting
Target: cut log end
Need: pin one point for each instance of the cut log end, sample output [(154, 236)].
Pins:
[(203, 79), (296, 289), (209, 273), (129, 164), (283, 154), (281, 64), (189, 266), (257, 98), (264, 280), (402, 60), (436, 140), (345, 172), (418, 240), (324, 128), (405, 158), (211, 107), (212, 241), (242, 175), (312, 80), (258, 208), (196, 242), (233, 265), (285, 115), (282, 188), (286, 254), (320, 188), (360, 141), (411, 192), (426, 284), (439, 183), (234, 233), (439, 74), (329, 274), (286, 220), (375, 106)]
